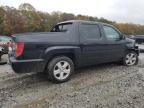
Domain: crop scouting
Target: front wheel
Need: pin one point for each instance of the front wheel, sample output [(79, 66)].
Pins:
[(130, 59), (60, 69)]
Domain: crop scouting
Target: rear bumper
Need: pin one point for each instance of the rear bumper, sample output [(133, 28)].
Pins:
[(27, 66)]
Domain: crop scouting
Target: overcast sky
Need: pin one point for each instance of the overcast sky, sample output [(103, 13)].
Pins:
[(130, 11)]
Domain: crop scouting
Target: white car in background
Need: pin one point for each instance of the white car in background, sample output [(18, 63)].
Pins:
[(4, 42)]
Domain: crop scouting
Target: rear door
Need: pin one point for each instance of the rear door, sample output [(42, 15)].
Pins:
[(92, 44), (116, 45)]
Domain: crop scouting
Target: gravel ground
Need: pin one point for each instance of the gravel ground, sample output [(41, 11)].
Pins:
[(103, 86)]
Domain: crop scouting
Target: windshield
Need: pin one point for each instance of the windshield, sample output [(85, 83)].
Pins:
[(62, 27)]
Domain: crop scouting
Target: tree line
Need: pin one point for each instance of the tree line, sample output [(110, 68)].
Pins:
[(27, 19)]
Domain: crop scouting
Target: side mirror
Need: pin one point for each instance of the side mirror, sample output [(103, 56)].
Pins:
[(122, 37)]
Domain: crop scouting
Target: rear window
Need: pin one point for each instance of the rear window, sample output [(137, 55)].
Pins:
[(62, 27)]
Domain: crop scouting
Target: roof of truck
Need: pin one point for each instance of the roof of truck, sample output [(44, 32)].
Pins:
[(83, 21), (77, 21)]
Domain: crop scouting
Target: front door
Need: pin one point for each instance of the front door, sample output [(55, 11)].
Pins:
[(116, 45)]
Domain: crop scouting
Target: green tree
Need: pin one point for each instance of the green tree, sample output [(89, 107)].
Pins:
[(67, 16), (26, 7)]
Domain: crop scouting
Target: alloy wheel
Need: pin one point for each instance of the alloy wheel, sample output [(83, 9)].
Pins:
[(131, 59), (62, 70)]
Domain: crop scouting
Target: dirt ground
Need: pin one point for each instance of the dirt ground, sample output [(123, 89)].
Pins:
[(102, 86)]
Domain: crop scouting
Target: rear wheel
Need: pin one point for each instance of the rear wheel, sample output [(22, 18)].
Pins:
[(60, 69), (130, 59)]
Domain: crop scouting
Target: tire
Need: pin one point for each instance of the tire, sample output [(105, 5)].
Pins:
[(60, 69), (130, 59)]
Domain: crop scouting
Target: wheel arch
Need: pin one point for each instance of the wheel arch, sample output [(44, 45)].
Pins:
[(136, 50), (73, 52)]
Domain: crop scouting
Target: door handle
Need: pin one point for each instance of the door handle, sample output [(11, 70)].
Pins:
[(39, 46), (84, 43)]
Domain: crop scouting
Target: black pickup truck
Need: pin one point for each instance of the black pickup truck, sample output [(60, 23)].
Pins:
[(70, 45)]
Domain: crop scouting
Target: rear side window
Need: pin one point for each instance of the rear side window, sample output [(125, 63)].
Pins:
[(90, 31), (62, 27)]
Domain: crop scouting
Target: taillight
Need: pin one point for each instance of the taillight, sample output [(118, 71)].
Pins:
[(19, 47)]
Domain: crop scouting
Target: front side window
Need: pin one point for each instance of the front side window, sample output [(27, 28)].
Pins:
[(62, 27), (111, 33)]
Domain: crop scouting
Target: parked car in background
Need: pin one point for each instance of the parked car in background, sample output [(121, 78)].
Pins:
[(2, 61), (138, 38), (4, 42), (1, 52), (70, 45)]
